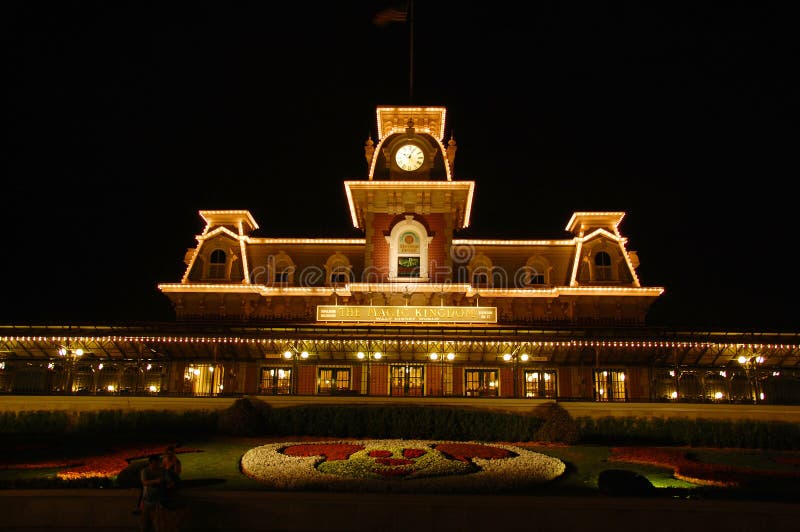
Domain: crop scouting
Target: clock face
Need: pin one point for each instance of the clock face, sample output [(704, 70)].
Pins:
[(409, 157)]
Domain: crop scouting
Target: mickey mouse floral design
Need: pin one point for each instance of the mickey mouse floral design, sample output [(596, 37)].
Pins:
[(398, 466)]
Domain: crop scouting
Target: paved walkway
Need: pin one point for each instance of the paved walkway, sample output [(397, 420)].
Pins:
[(110, 510)]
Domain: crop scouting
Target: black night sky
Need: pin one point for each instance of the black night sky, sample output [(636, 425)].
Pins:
[(123, 120)]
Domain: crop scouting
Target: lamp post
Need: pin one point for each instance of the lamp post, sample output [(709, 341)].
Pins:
[(369, 357), (441, 358), (515, 358), (69, 355), (294, 356), (750, 365)]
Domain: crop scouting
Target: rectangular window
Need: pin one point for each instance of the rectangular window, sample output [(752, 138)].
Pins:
[(406, 380), (603, 273), (334, 380), (480, 279), (216, 271), (481, 383), (339, 278), (609, 385), (537, 279), (282, 277), (202, 379), (408, 266), (540, 384), (276, 381)]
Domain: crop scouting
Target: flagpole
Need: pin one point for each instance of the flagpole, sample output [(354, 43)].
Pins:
[(411, 52)]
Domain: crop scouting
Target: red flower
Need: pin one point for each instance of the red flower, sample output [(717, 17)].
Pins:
[(340, 451), (413, 453), (692, 470), (380, 454), (465, 452)]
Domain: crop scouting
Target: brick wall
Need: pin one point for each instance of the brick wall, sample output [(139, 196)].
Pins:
[(306, 379), (438, 250)]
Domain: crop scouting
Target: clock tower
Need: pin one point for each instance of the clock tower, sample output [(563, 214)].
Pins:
[(409, 205)]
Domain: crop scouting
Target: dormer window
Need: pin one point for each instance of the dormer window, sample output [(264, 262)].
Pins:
[(536, 279), (602, 266), (216, 266), (282, 268), (338, 270), (339, 278), (481, 270)]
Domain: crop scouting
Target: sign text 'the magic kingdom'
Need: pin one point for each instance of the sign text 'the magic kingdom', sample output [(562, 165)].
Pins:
[(407, 314)]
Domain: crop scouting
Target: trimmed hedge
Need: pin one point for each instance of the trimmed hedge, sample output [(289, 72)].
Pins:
[(407, 422), (545, 423), (738, 433), (117, 422)]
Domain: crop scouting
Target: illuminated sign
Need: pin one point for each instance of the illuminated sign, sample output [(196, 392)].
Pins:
[(391, 314)]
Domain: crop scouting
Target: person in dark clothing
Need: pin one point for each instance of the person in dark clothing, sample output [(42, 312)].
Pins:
[(172, 468), (154, 483)]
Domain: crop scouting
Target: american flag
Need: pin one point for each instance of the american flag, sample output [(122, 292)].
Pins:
[(390, 14)]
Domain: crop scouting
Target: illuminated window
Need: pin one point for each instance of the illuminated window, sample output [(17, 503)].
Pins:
[(152, 378), (333, 380), (609, 385), (716, 387), (602, 266), (276, 381), (481, 383), (540, 384), (665, 382), (406, 380), (408, 266), (408, 249), (107, 379), (216, 267), (203, 379)]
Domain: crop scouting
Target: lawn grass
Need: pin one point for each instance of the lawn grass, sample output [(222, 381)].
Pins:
[(214, 465)]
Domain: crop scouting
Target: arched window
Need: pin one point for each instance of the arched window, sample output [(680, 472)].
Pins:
[(602, 266), (408, 257), (480, 270), (408, 250), (537, 272), (216, 266), (282, 267), (338, 269)]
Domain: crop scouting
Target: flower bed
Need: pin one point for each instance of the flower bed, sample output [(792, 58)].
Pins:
[(106, 466), (399, 466), (690, 470)]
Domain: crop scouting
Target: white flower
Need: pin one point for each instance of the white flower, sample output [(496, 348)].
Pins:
[(381, 467)]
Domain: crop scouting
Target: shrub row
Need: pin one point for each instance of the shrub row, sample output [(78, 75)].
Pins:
[(251, 417), (545, 423), (744, 433), (116, 422)]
